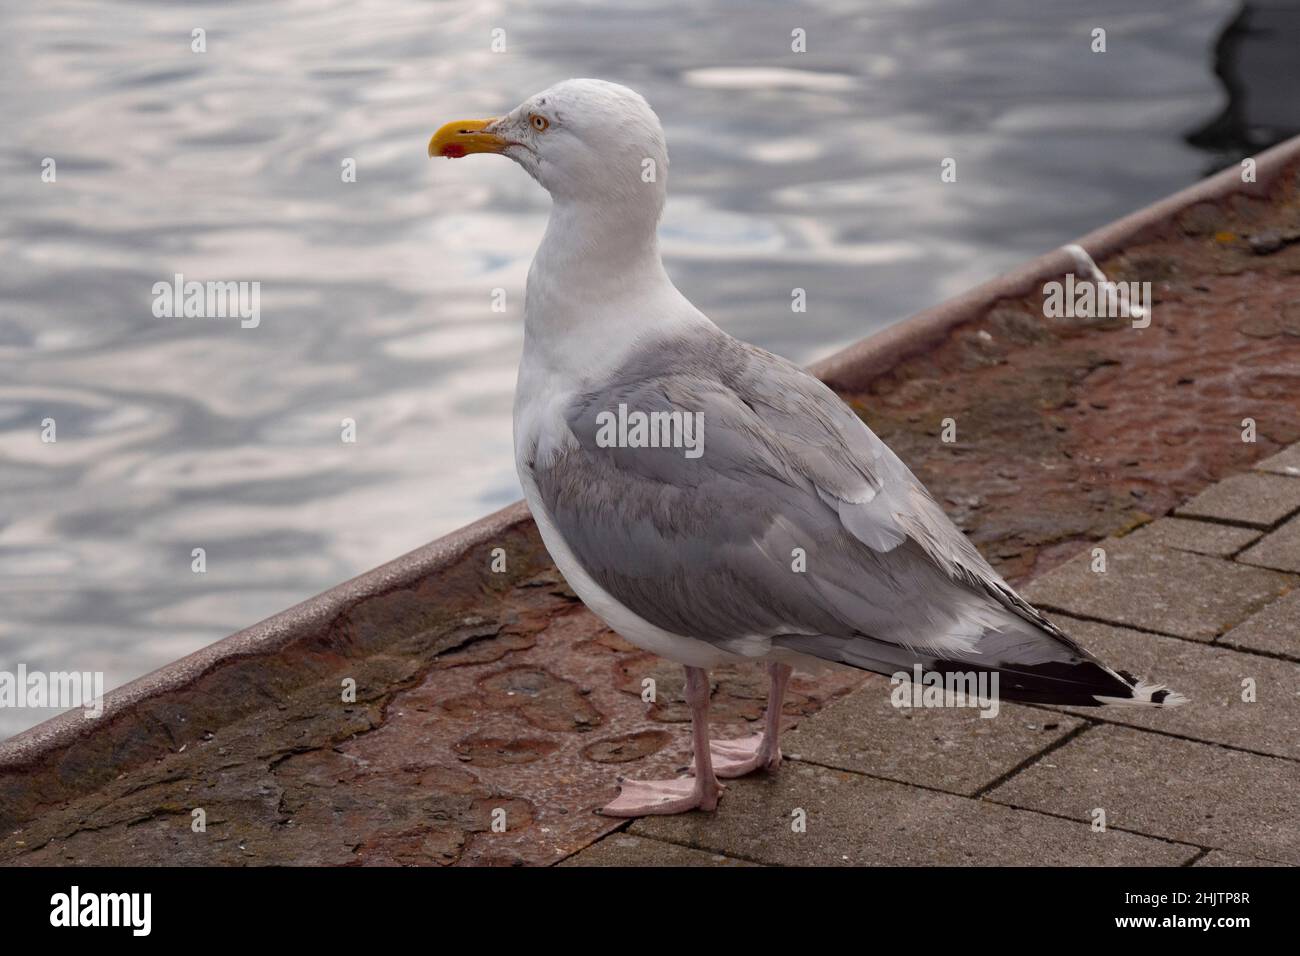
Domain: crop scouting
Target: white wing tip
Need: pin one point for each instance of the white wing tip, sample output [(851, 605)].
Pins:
[(1146, 695)]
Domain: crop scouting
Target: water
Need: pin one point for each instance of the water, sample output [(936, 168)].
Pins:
[(816, 170)]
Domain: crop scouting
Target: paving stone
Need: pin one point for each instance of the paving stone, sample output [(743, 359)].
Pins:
[(1254, 498), (1275, 629), (1285, 462), (1279, 550), (1158, 589), (1219, 858), (854, 820), (1201, 537), (624, 849), (1211, 678), (948, 748), (1177, 789)]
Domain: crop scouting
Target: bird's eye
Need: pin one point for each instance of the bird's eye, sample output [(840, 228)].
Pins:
[(540, 123)]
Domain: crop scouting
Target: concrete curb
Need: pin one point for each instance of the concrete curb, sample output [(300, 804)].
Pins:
[(850, 369)]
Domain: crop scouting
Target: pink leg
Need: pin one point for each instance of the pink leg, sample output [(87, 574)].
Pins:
[(735, 758), (642, 797)]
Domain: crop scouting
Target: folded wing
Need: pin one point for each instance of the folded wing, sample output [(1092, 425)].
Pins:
[(795, 527)]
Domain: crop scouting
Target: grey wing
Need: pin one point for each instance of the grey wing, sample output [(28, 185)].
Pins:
[(796, 526), (888, 505)]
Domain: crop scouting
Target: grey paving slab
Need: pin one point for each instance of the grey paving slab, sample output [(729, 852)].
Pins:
[(625, 849), (1162, 786), (1201, 537), (1274, 630), (948, 748), (854, 820), (1220, 858), (1211, 677), (1279, 550), (1285, 462), (1158, 589), (1259, 499)]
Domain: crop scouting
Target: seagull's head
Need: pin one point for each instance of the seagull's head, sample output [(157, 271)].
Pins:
[(583, 140)]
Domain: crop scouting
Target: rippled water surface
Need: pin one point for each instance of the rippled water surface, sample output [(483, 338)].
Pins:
[(817, 170)]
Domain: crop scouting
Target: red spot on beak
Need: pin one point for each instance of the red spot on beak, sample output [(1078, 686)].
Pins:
[(453, 151)]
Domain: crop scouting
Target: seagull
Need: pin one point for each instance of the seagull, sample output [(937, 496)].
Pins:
[(712, 502)]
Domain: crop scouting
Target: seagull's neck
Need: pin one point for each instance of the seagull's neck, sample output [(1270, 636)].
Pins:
[(594, 250), (596, 284)]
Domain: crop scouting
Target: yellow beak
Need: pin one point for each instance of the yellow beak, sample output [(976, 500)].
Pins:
[(463, 137)]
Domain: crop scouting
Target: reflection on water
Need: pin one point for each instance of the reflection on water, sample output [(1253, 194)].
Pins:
[(1257, 58), (816, 170)]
